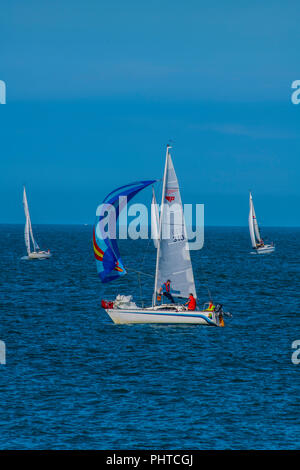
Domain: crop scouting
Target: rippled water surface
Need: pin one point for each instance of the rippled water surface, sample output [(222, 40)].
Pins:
[(74, 380)]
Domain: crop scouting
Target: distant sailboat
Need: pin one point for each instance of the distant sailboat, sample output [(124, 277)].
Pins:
[(172, 260), (256, 240), (37, 253)]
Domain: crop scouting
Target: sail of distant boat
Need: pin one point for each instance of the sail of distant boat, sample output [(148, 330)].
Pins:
[(28, 228), (256, 240), (106, 250), (251, 219), (28, 234)]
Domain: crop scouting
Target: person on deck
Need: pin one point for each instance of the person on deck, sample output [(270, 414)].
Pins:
[(211, 306), (166, 291), (260, 244), (191, 303)]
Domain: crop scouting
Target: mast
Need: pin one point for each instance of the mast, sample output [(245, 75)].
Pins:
[(160, 226)]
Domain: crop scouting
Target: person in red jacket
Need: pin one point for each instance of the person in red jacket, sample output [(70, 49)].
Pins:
[(191, 303)]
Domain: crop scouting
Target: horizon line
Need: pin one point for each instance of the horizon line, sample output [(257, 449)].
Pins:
[(149, 226)]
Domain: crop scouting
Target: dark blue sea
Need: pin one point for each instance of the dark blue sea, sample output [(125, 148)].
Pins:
[(74, 380)]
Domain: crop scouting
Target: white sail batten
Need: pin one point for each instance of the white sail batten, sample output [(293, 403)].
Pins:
[(173, 256)]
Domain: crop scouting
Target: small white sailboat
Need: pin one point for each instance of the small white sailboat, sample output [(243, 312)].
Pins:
[(37, 253), (172, 262), (257, 242)]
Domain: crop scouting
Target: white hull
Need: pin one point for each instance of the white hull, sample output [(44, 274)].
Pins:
[(139, 315), (39, 255), (265, 249)]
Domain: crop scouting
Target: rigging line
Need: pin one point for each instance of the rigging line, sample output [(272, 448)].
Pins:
[(139, 272)]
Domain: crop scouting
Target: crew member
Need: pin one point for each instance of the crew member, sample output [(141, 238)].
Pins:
[(191, 303), (261, 243), (211, 306), (166, 290)]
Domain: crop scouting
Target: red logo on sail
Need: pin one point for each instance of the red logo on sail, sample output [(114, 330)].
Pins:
[(170, 196)]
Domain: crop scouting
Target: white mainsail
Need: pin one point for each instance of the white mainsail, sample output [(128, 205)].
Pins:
[(173, 257), (256, 229), (26, 236), (154, 220), (253, 226), (28, 227)]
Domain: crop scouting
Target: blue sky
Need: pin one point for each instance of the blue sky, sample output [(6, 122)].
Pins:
[(96, 89)]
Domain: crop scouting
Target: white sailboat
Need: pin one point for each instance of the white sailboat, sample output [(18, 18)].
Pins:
[(172, 262), (37, 253), (257, 243)]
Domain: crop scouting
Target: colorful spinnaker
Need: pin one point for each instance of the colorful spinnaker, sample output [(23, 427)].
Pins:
[(106, 250)]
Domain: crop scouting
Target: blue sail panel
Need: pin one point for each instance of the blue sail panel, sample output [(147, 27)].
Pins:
[(106, 250)]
